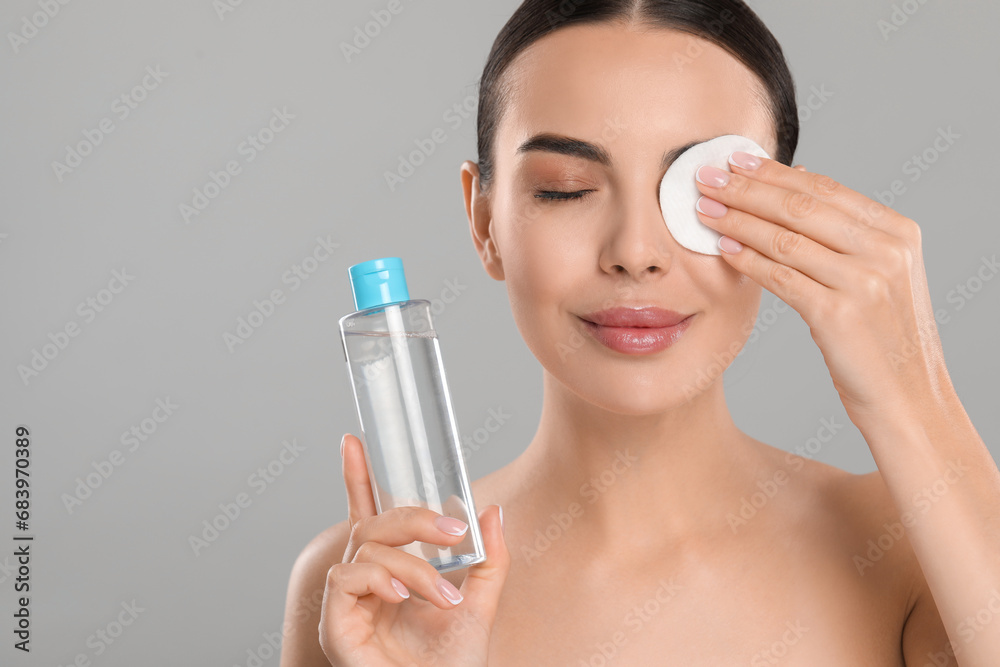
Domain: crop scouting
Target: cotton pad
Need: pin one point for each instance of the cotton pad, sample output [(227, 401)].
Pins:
[(679, 191)]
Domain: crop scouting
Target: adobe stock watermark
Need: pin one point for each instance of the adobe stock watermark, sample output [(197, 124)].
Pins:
[(365, 34), (263, 309), (922, 501), (695, 46), (249, 148), (817, 98), (495, 420), (408, 163), (121, 108), (606, 652), (88, 309), (565, 10), (967, 629), (592, 490), (229, 512), (721, 360), (6, 569), (271, 646), (133, 438), (768, 488), (224, 7), (917, 165), (108, 634), (960, 295), (898, 17), (33, 23), (779, 649), (878, 206), (766, 318)]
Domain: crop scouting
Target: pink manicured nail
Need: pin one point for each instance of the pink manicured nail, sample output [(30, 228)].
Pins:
[(710, 207), (729, 245), (449, 592), (745, 160), (400, 587), (709, 175), (451, 525)]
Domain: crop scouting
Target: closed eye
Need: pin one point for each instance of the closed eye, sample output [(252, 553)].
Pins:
[(556, 195)]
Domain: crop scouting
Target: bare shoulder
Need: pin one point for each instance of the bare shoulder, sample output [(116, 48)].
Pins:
[(881, 541), (304, 601), (854, 518), (862, 522)]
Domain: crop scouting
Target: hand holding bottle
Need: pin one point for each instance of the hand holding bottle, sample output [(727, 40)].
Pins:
[(367, 620)]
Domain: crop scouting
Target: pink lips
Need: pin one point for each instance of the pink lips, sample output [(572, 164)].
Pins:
[(636, 330)]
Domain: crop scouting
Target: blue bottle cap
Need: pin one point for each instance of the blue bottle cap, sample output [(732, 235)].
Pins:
[(378, 282)]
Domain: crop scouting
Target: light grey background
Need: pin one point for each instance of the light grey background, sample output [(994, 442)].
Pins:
[(323, 176)]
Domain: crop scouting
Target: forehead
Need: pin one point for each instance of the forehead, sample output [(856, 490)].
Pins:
[(630, 86)]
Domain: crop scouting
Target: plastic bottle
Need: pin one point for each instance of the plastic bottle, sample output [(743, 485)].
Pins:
[(411, 439)]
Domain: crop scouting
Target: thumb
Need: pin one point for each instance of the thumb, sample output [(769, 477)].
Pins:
[(484, 582)]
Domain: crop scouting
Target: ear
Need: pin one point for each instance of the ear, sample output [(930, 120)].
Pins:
[(477, 208)]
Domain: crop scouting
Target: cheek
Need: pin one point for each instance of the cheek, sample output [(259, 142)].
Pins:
[(543, 274), (734, 301), (545, 256)]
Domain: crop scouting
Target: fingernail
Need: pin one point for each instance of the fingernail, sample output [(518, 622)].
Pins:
[(400, 587), (450, 593), (342, 441), (501, 517), (709, 175), (451, 525), (710, 207), (729, 245), (745, 160)]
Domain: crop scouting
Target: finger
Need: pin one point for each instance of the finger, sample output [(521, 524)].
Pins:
[(484, 582), (859, 208), (414, 573), (401, 525), (791, 208), (345, 583), (360, 501), (790, 285), (782, 245), (800, 167)]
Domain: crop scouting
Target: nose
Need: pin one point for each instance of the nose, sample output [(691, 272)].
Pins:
[(638, 242)]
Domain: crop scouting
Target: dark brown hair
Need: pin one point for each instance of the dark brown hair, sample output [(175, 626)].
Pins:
[(730, 24)]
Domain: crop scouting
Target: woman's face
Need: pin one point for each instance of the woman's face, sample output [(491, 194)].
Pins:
[(636, 95)]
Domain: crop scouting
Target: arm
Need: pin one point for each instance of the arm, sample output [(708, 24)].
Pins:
[(946, 486), (853, 269), (300, 645)]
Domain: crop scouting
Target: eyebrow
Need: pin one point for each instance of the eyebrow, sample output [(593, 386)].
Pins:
[(557, 143)]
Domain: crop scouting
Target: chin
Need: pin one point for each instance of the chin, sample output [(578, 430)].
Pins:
[(652, 390)]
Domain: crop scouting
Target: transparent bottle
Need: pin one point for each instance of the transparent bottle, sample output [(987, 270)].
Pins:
[(408, 427)]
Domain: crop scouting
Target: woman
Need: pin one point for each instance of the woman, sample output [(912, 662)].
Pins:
[(624, 541)]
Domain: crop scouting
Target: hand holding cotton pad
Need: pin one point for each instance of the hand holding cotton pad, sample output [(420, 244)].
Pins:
[(679, 192)]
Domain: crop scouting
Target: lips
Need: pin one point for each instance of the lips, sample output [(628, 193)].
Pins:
[(636, 330), (651, 317)]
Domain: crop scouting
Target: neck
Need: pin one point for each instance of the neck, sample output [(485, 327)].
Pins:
[(615, 475)]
